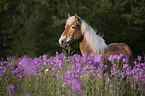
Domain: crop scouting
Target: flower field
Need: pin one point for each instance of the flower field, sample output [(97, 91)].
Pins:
[(75, 75)]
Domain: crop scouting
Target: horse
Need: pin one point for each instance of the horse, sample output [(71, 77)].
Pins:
[(76, 29)]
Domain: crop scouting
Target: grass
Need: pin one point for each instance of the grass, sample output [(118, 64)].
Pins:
[(69, 76)]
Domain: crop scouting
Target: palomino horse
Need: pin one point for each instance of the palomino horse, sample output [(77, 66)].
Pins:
[(77, 29)]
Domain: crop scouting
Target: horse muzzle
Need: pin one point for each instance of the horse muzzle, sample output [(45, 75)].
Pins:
[(63, 41)]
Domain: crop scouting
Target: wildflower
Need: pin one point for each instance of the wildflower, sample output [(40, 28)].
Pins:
[(122, 74), (77, 85), (12, 86), (140, 88), (44, 57), (29, 94), (53, 68), (110, 58), (67, 44), (125, 65), (56, 88), (139, 58), (27, 64), (135, 62), (111, 85), (132, 84), (1, 67), (1, 73), (64, 83), (121, 56), (81, 76), (12, 89), (53, 76), (124, 59), (63, 95), (69, 72), (115, 90)]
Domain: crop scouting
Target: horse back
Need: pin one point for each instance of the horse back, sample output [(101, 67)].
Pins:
[(119, 48)]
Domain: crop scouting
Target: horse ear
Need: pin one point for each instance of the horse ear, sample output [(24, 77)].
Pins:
[(76, 17), (68, 15)]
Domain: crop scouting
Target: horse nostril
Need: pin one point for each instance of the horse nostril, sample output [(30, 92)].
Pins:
[(62, 42)]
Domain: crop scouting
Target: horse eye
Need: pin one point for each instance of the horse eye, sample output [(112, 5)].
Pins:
[(74, 27)]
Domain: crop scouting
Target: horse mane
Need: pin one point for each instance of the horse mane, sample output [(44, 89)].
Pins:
[(95, 42)]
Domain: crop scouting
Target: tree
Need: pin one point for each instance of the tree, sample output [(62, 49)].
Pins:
[(7, 9), (34, 27)]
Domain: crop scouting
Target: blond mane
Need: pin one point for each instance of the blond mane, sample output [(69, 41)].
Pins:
[(95, 42)]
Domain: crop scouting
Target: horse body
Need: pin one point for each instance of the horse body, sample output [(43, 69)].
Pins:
[(77, 29)]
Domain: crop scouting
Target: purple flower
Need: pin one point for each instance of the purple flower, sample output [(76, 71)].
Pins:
[(141, 88), (139, 58), (77, 85), (115, 90), (132, 84), (135, 62), (27, 64), (1, 67), (122, 74), (110, 58), (125, 65), (44, 57), (74, 69), (125, 60), (121, 56), (110, 85), (113, 58), (11, 88), (67, 44), (64, 83), (53, 76), (69, 72), (29, 94)]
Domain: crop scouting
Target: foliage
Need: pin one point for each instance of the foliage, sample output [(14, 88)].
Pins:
[(33, 28), (71, 75)]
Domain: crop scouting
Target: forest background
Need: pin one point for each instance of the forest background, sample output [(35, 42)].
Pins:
[(33, 27)]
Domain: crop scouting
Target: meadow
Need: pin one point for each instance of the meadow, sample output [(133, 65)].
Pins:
[(76, 75)]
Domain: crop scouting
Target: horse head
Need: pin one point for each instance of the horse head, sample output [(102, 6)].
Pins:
[(72, 30)]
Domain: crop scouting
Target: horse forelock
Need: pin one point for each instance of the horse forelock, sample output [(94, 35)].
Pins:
[(70, 20)]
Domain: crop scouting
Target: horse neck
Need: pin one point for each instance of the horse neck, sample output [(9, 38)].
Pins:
[(90, 42), (84, 48)]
